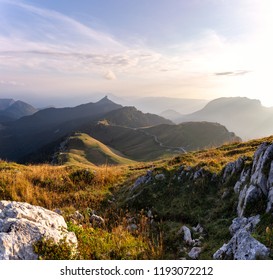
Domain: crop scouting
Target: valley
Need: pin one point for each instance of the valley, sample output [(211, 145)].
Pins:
[(136, 135), (131, 185)]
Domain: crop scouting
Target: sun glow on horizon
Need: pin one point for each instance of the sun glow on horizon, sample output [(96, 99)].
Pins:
[(60, 54)]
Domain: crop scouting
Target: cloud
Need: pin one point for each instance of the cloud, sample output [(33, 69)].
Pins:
[(57, 43), (234, 73), (11, 83), (60, 52), (110, 75), (59, 28)]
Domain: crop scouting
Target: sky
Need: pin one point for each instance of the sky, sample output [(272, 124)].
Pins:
[(53, 51)]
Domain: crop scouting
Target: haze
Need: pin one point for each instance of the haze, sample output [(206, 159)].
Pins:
[(68, 51)]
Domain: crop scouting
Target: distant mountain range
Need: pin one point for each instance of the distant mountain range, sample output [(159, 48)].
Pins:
[(246, 117), (159, 104), (133, 134), (12, 110)]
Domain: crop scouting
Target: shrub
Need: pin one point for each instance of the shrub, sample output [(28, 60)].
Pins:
[(47, 249), (82, 176)]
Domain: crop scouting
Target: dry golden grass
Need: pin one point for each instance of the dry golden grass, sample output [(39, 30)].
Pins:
[(55, 187), (214, 159)]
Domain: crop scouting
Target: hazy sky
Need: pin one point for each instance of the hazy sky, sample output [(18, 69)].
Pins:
[(178, 48)]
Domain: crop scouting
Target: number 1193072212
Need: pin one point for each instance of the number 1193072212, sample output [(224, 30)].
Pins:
[(183, 270)]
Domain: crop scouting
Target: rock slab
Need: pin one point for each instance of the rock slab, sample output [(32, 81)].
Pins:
[(22, 224), (242, 246)]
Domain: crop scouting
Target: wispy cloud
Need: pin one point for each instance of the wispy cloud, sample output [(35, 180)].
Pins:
[(64, 45), (233, 73), (42, 42), (60, 27), (11, 83)]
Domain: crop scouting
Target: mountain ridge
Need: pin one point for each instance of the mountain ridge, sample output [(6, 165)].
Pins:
[(22, 137), (11, 110), (246, 117)]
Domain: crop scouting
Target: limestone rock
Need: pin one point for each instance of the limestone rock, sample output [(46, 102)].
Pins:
[(257, 181), (194, 253), (198, 229), (198, 174), (243, 179), (22, 224), (77, 216), (160, 177), (242, 245), (95, 219), (232, 168), (142, 180), (262, 158), (244, 223), (270, 189), (249, 194), (187, 234)]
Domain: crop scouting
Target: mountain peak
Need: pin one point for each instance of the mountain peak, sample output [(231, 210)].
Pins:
[(104, 100), (5, 103)]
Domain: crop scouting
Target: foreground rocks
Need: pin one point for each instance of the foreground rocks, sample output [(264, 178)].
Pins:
[(254, 185), (256, 182), (22, 224), (242, 245)]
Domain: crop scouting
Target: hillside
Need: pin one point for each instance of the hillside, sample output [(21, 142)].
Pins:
[(11, 110), (5, 103), (132, 143), (29, 135), (246, 117), (137, 136), (171, 114), (185, 207), (131, 117), (81, 149), (192, 135), (144, 144)]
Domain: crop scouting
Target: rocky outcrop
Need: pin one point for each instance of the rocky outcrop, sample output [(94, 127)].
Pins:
[(245, 186), (231, 168), (142, 180), (194, 253), (256, 182), (242, 246), (22, 224), (187, 234)]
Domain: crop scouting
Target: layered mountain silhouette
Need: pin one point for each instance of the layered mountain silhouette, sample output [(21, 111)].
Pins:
[(160, 104), (133, 134), (12, 110), (246, 117)]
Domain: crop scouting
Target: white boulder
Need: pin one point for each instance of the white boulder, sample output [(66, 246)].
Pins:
[(22, 224)]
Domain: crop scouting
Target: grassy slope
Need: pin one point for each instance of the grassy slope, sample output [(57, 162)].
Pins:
[(83, 149), (130, 142), (193, 135), (174, 203)]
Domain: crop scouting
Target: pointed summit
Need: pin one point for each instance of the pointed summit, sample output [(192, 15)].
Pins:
[(105, 100)]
